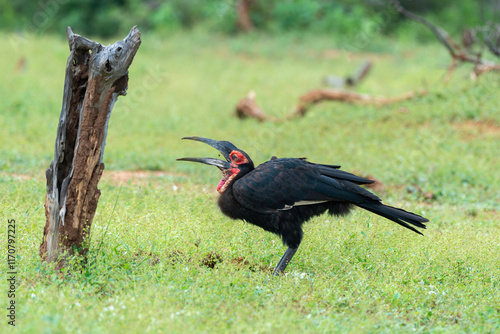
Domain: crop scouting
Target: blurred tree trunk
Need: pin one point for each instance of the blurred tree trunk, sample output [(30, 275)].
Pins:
[(95, 77), (243, 10)]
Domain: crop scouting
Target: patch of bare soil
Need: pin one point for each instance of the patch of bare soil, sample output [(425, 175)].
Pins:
[(244, 263), (427, 196), (419, 195), (121, 177), (211, 260), (470, 130), (170, 258), (375, 186), (135, 177), (19, 176)]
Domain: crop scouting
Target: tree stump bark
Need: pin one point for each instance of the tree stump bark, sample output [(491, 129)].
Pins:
[(95, 77)]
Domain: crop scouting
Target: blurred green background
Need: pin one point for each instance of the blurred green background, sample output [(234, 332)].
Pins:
[(110, 17)]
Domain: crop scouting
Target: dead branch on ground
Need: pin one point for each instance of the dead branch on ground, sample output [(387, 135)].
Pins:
[(457, 53), (319, 95)]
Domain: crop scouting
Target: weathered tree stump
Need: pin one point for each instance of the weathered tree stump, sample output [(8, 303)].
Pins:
[(95, 77)]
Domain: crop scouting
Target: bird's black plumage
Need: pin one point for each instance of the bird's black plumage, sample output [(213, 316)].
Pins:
[(282, 194)]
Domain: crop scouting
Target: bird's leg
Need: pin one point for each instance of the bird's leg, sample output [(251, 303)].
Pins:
[(285, 259)]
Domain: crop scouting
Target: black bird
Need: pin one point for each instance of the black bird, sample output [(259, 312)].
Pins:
[(282, 194)]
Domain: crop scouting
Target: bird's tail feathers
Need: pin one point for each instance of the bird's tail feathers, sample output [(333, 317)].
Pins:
[(399, 216)]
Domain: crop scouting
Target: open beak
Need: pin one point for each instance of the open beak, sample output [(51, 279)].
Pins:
[(209, 161), (224, 147)]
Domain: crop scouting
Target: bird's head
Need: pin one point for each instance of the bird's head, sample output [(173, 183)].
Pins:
[(237, 163)]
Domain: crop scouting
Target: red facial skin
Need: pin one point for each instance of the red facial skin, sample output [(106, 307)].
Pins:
[(237, 158)]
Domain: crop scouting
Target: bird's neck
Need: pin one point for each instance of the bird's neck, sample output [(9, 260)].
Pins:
[(228, 204)]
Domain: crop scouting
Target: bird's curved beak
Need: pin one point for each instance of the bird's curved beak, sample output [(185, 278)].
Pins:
[(224, 147), (209, 161)]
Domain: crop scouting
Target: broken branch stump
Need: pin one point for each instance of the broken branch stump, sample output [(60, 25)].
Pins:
[(352, 80), (247, 107), (95, 77)]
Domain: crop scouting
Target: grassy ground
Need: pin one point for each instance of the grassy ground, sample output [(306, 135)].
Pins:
[(155, 238)]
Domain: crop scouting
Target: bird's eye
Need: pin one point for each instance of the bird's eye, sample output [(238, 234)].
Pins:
[(234, 157)]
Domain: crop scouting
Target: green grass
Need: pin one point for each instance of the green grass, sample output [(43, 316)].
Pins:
[(152, 240)]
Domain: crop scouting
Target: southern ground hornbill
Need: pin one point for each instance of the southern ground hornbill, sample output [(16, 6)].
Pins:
[(282, 194)]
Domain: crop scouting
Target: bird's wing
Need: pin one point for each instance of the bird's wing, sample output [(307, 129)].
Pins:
[(335, 172), (275, 185), (343, 190), (283, 183)]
